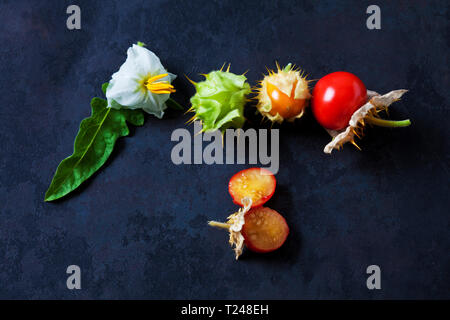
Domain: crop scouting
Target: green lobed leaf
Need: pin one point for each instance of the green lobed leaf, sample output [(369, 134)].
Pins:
[(93, 145)]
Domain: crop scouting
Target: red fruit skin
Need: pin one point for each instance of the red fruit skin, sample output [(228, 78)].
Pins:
[(251, 247), (336, 97), (263, 200), (254, 248)]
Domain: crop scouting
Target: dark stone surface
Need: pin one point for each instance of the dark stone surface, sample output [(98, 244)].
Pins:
[(138, 228)]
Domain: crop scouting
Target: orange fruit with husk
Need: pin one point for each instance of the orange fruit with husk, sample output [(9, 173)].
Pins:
[(283, 95)]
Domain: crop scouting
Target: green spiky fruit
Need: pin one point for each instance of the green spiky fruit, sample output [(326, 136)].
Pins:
[(219, 101)]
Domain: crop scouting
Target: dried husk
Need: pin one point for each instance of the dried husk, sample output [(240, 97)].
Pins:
[(375, 104), (234, 223)]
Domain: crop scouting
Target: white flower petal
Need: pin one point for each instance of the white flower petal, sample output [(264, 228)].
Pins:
[(172, 76), (128, 68), (113, 104), (155, 104), (126, 91), (146, 61)]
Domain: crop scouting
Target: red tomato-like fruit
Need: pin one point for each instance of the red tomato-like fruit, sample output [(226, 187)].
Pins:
[(258, 184), (336, 97), (264, 230)]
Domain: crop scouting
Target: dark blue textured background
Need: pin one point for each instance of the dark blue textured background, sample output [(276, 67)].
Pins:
[(138, 228)]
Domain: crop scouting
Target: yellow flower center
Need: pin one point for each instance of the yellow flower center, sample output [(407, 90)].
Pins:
[(158, 87)]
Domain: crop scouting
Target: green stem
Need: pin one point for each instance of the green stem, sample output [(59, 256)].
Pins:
[(174, 105), (387, 123)]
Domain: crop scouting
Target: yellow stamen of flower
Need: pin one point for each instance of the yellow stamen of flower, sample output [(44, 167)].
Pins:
[(160, 87)]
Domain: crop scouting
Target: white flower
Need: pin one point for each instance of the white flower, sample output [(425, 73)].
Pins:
[(141, 83)]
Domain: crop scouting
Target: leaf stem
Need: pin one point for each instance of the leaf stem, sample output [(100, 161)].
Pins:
[(174, 105), (387, 123)]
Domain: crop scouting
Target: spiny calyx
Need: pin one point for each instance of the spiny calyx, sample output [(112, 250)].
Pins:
[(219, 100)]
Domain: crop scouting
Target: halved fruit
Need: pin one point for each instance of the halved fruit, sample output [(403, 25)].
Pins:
[(257, 184), (265, 230)]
